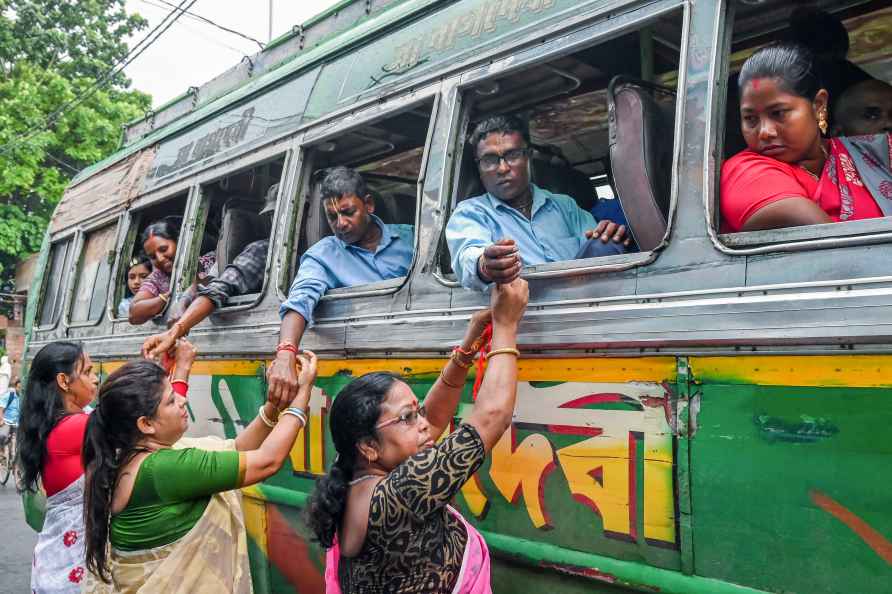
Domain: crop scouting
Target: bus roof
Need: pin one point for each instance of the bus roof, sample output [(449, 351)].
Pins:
[(344, 25)]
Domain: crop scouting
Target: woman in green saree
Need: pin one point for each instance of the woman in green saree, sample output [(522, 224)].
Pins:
[(163, 512)]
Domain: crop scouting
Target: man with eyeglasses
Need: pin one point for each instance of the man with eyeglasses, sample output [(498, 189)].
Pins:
[(516, 223)]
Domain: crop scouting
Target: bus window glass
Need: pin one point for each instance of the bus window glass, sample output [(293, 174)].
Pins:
[(237, 219), (545, 163), (53, 282), (814, 151), (387, 155), (138, 270), (92, 279)]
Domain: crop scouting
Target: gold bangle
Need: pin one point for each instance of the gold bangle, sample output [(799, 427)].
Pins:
[(448, 383), (504, 351), (164, 297)]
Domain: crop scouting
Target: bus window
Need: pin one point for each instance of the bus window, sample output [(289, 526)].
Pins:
[(388, 155), (781, 183), (92, 279), (54, 281), (597, 141), (133, 256), (235, 223)]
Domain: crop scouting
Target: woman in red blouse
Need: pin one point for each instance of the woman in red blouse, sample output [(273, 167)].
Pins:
[(61, 382), (790, 174)]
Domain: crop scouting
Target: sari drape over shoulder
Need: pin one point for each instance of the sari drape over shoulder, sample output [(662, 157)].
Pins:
[(211, 557), (856, 182)]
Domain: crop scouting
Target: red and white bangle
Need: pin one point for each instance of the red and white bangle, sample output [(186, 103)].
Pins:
[(179, 386)]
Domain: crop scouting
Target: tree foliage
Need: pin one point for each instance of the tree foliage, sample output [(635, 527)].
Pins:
[(52, 52)]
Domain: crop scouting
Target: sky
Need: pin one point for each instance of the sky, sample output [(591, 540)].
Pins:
[(192, 52)]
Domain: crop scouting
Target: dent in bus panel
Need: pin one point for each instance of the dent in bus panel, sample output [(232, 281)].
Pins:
[(134, 256), (93, 275), (600, 124), (54, 278), (236, 222), (388, 155), (765, 186)]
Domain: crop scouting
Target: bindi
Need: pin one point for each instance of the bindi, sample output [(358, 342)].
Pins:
[(756, 83)]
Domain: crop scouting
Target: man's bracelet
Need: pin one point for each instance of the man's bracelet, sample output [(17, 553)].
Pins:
[(287, 346)]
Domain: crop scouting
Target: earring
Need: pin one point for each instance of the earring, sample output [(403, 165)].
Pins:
[(822, 122)]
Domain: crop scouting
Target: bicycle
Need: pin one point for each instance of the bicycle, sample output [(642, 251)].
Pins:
[(7, 454)]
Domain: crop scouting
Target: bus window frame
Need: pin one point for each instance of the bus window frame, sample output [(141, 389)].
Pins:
[(599, 30), (332, 129), (132, 218), (786, 239), (71, 235), (84, 231), (238, 165)]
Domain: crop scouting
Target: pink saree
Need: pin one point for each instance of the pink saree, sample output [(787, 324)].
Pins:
[(473, 578)]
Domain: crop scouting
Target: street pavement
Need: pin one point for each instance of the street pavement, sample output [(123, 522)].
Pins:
[(17, 542)]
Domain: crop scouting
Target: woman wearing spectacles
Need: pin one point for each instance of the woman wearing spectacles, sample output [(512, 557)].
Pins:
[(382, 510)]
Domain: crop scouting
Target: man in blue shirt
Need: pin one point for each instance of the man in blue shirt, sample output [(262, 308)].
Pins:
[(362, 250), (492, 236), (9, 416)]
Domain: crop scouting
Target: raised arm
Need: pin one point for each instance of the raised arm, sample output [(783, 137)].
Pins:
[(495, 402), (443, 397), (275, 443)]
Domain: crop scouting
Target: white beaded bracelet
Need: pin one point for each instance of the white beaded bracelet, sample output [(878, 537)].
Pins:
[(265, 419)]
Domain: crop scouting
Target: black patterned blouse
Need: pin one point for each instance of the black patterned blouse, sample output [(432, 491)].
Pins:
[(413, 544)]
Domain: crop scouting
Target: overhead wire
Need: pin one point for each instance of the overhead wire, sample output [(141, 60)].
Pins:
[(115, 69), (204, 19)]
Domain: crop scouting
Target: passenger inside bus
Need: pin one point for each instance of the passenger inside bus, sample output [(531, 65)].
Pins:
[(241, 276), (140, 267), (159, 240), (363, 249), (780, 179), (492, 236), (864, 108)]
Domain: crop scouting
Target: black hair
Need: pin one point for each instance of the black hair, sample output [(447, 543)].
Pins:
[(131, 392), (341, 181), (352, 420), (167, 228), (503, 124), (42, 407), (820, 31), (140, 259), (795, 66)]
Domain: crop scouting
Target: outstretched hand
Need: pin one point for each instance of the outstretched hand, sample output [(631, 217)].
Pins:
[(509, 302), (500, 262), (158, 344)]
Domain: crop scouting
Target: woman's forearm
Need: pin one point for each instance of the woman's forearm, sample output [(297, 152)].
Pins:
[(256, 431), (268, 457), (495, 402), (144, 309)]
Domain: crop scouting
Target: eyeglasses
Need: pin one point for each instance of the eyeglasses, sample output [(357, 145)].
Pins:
[(409, 418), (513, 157)]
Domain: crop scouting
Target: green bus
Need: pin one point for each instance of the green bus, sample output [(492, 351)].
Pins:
[(706, 414)]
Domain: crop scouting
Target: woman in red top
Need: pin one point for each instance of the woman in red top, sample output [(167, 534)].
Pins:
[(790, 174), (61, 383)]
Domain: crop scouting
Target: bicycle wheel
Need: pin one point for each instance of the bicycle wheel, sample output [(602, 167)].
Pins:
[(7, 462)]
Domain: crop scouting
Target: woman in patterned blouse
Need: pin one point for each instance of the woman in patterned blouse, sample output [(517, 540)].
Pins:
[(382, 509)]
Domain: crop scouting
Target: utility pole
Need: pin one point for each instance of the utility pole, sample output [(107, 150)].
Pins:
[(269, 36)]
